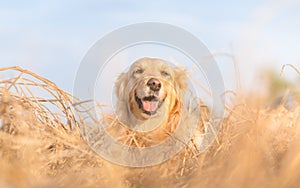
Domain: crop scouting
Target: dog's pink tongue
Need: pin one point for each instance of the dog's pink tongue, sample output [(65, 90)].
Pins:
[(150, 106)]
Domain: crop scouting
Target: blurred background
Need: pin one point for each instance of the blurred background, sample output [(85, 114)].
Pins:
[(51, 38)]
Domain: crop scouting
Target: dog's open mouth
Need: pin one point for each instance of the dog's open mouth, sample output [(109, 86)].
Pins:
[(149, 105)]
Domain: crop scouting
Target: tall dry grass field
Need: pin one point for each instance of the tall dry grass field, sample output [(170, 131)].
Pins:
[(40, 144)]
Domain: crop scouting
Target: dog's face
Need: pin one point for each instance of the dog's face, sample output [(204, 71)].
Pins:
[(151, 88)]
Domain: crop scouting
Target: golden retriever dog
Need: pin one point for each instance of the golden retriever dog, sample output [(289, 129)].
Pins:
[(150, 100)]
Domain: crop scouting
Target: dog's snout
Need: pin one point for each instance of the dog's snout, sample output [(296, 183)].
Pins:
[(154, 84)]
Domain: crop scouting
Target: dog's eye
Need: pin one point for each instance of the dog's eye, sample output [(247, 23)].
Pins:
[(164, 73), (139, 71)]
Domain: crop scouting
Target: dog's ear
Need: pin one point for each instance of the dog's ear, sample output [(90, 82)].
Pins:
[(180, 81), (121, 85)]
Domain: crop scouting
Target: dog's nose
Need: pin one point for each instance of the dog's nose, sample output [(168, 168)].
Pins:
[(154, 84)]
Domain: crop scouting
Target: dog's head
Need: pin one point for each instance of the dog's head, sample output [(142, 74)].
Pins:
[(151, 88)]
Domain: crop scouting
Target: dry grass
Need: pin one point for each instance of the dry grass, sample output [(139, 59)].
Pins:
[(40, 145)]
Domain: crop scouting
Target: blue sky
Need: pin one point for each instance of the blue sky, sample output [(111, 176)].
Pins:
[(51, 38)]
